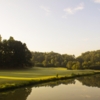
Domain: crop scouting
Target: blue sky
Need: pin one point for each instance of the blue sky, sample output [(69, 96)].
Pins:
[(63, 26)]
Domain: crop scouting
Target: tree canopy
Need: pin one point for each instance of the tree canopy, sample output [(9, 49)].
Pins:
[(87, 60), (51, 59), (14, 54)]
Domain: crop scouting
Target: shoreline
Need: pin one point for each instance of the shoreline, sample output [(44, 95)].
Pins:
[(7, 87)]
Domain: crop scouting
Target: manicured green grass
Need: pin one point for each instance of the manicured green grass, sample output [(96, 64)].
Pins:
[(37, 73), (13, 77)]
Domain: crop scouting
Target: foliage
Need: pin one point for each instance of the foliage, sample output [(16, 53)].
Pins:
[(51, 59), (14, 54), (88, 60)]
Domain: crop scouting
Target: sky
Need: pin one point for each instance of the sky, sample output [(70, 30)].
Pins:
[(63, 26)]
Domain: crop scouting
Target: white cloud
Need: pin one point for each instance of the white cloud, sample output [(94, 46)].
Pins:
[(69, 10), (80, 7), (73, 10), (46, 9), (97, 1)]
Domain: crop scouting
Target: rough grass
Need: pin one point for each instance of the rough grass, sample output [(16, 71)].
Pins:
[(12, 78)]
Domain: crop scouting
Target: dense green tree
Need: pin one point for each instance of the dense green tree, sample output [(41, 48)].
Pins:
[(57, 64), (90, 60), (51, 59), (69, 65), (76, 65), (14, 54), (87, 60), (45, 63)]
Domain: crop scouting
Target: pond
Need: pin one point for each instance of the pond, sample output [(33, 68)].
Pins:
[(82, 88)]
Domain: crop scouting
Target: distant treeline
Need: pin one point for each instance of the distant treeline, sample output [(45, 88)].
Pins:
[(15, 54), (87, 60)]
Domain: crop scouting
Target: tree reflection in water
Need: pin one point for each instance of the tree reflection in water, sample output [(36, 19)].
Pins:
[(23, 93), (18, 94), (93, 80)]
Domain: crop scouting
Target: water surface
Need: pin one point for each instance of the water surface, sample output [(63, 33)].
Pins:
[(83, 88)]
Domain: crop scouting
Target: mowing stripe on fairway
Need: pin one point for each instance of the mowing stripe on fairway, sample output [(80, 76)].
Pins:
[(17, 78)]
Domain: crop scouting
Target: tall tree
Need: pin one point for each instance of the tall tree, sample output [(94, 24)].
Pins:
[(14, 54)]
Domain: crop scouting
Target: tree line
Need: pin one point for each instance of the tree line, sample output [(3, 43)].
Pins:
[(15, 54), (87, 60), (51, 59)]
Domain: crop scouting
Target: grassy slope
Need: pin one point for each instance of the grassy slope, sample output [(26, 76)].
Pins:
[(20, 76)]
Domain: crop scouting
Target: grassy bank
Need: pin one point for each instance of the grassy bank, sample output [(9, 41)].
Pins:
[(18, 78)]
